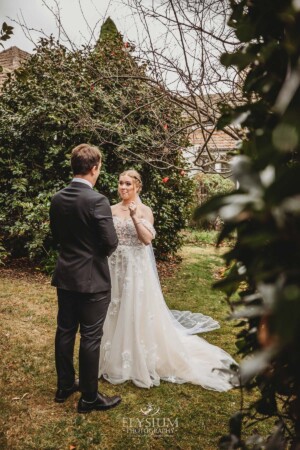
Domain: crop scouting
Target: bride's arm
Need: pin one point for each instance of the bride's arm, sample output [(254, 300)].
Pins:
[(144, 234)]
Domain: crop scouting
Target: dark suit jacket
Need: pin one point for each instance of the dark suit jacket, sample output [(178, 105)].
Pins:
[(81, 224)]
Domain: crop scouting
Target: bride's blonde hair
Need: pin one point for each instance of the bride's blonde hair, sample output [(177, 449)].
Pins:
[(136, 178)]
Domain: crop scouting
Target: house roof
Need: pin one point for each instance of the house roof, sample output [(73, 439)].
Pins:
[(218, 141), (209, 112), (10, 60)]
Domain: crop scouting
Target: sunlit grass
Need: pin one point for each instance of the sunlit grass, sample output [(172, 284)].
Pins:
[(201, 237)]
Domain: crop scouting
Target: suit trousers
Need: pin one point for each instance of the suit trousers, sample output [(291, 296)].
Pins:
[(86, 312)]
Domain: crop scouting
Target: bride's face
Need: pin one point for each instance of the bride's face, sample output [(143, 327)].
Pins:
[(127, 188)]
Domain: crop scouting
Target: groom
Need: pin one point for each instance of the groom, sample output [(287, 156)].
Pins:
[(82, 226)]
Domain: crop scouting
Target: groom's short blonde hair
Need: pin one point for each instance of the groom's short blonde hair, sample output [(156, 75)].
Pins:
[(84, 157)]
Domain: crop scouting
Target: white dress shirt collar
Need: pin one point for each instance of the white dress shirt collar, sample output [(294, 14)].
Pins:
[(82, 180)]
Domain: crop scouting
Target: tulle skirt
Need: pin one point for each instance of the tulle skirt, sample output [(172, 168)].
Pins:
[(142, 340)]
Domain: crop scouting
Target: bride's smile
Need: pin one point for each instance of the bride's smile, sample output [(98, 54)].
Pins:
[(127, 189)]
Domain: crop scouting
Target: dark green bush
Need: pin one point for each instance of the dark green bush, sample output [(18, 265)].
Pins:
[(206, 187), (62, 98)]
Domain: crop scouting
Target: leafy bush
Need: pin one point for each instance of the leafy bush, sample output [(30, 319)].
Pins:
[(62, 98), (207, 186), (265, 212)]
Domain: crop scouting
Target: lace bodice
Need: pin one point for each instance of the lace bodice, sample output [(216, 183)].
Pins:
[(126, 231)]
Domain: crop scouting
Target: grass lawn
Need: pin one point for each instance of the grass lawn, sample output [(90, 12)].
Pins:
[(29, 419)]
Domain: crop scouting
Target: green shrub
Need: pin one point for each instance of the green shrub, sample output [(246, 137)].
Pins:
[(61, 98), (207, 186)]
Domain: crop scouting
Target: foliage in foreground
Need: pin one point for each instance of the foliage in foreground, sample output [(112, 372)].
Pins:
[(265, 212), (56, 101)]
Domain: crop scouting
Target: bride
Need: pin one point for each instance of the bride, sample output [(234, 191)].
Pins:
[(143, 340)]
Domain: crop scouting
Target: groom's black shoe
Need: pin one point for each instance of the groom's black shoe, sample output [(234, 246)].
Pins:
[(62, 394), (101, 403)]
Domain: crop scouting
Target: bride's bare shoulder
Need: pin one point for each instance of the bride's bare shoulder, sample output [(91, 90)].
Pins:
[(146, 208)]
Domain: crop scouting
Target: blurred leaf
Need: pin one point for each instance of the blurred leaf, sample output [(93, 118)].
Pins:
[(253, 366), (235, 424)]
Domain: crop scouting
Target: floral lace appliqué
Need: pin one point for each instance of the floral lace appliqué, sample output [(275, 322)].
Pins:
[(126, 231), (114, 306), (106, 348), (126, 358)]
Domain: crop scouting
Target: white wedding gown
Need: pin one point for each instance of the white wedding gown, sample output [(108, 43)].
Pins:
[(142, 340)]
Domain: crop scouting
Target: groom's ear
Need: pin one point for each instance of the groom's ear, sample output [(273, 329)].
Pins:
[(95, 168)]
